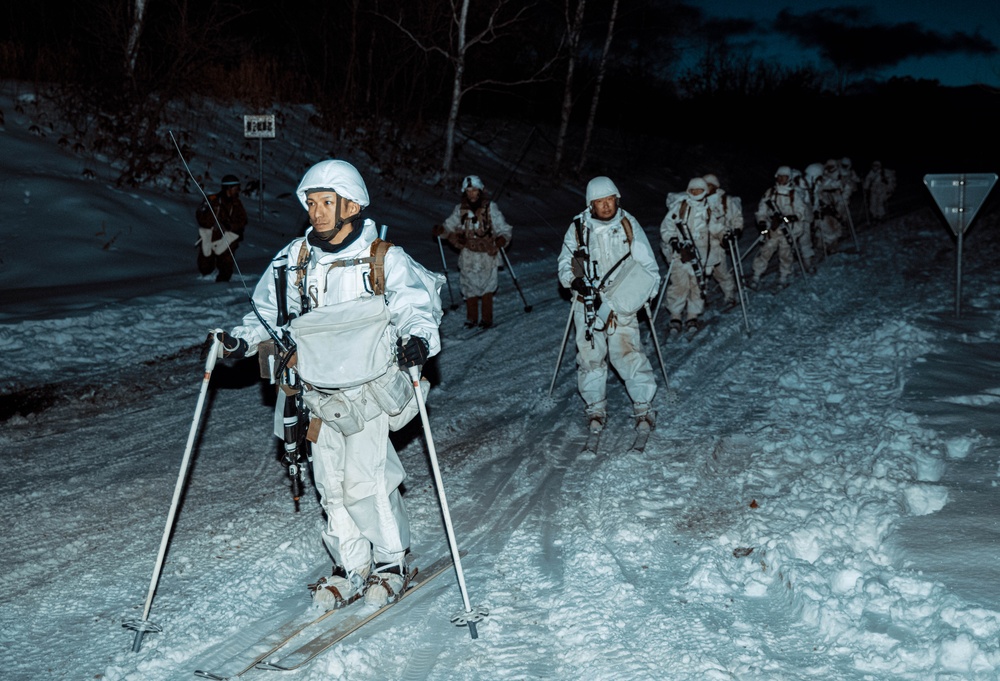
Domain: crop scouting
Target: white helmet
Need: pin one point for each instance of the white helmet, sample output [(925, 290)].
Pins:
[(335, 175), (697, 183), (845, 163), (814, 171), (601, 187), (711, 179), (783, 170), (472, 182)]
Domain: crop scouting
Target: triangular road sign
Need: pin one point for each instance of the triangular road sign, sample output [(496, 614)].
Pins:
[(959, 196)]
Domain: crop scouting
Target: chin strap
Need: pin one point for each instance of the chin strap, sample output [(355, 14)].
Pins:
[(339, 224)]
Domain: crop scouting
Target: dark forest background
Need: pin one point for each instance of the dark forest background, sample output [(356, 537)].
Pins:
[(386, 69)]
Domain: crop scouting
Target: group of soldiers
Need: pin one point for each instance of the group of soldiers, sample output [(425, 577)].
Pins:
[(802, 218), (609, 266)]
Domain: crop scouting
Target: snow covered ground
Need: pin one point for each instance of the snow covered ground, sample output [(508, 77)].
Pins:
[(818, 500)]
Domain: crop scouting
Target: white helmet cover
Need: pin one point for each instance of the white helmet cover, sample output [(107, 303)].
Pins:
[(336, 175), (697, 183), (783, 170), (814, 170), (845, 162), (601, 187), (711, 179), (473, 182)]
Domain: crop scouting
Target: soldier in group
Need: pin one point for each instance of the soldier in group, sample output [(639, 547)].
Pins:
[(726, 210), (478, 230), (829, 200), (605, 250), (879, 185), (810, 239), (359, 322), (685, 244), (779, 214), (849, 183)]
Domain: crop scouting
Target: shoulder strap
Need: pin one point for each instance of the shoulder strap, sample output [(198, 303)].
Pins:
[(627, 226), (376, 275)]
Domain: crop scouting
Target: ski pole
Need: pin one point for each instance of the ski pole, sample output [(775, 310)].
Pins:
[(850, 222), (738, 273), (752, 246), (444, 263), (144, 625), (527, 308), (656, 343), (470, 616), (562, 348), (663, 290)]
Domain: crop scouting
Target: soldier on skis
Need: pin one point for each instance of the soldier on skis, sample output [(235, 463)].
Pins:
[(478, 230), (362, 312), (608, 264), (879, 185), (727, 211), (781, 209)]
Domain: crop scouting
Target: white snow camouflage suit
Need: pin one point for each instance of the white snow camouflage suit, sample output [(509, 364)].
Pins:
[(619, 342), (478, 257), (358, 474)]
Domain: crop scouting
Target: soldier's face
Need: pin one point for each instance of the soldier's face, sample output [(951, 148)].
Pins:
[(472, 194), (604, 209), (322, 207)]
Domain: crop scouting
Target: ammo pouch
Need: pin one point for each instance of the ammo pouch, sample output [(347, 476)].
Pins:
[(343, 345), (336, 409)]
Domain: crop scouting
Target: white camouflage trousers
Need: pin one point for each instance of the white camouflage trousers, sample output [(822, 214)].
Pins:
[(358, 479), (621, 345)]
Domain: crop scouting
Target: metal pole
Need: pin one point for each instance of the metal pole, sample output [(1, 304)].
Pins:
[(562, 348), (656, 344), (143, 625), (527, 308), (444, 263), (470, 616), (958, 258), (738, 274), (663, 290)]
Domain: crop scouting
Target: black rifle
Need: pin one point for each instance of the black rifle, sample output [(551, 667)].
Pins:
[(591, 301), (784, 222), (295, 416), (698, 266)]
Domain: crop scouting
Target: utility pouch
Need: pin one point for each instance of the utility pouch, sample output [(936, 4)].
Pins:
[(392, 391), (630, 290), (336, 410), (345, 344)]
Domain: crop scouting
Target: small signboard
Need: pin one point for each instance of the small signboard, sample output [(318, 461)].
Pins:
[(959, 196), (261, 126)]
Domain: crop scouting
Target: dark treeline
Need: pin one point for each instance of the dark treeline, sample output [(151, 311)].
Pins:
[(391, 65)]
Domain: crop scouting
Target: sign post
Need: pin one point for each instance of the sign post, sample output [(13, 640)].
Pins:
[(959, 197), (259, 127)]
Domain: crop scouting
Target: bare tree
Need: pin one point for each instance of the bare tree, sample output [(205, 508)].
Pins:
[(132, 49), (601, 70), (501, 21), (574, 28)]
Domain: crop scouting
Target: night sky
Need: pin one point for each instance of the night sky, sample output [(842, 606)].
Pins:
[(956, 42)]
